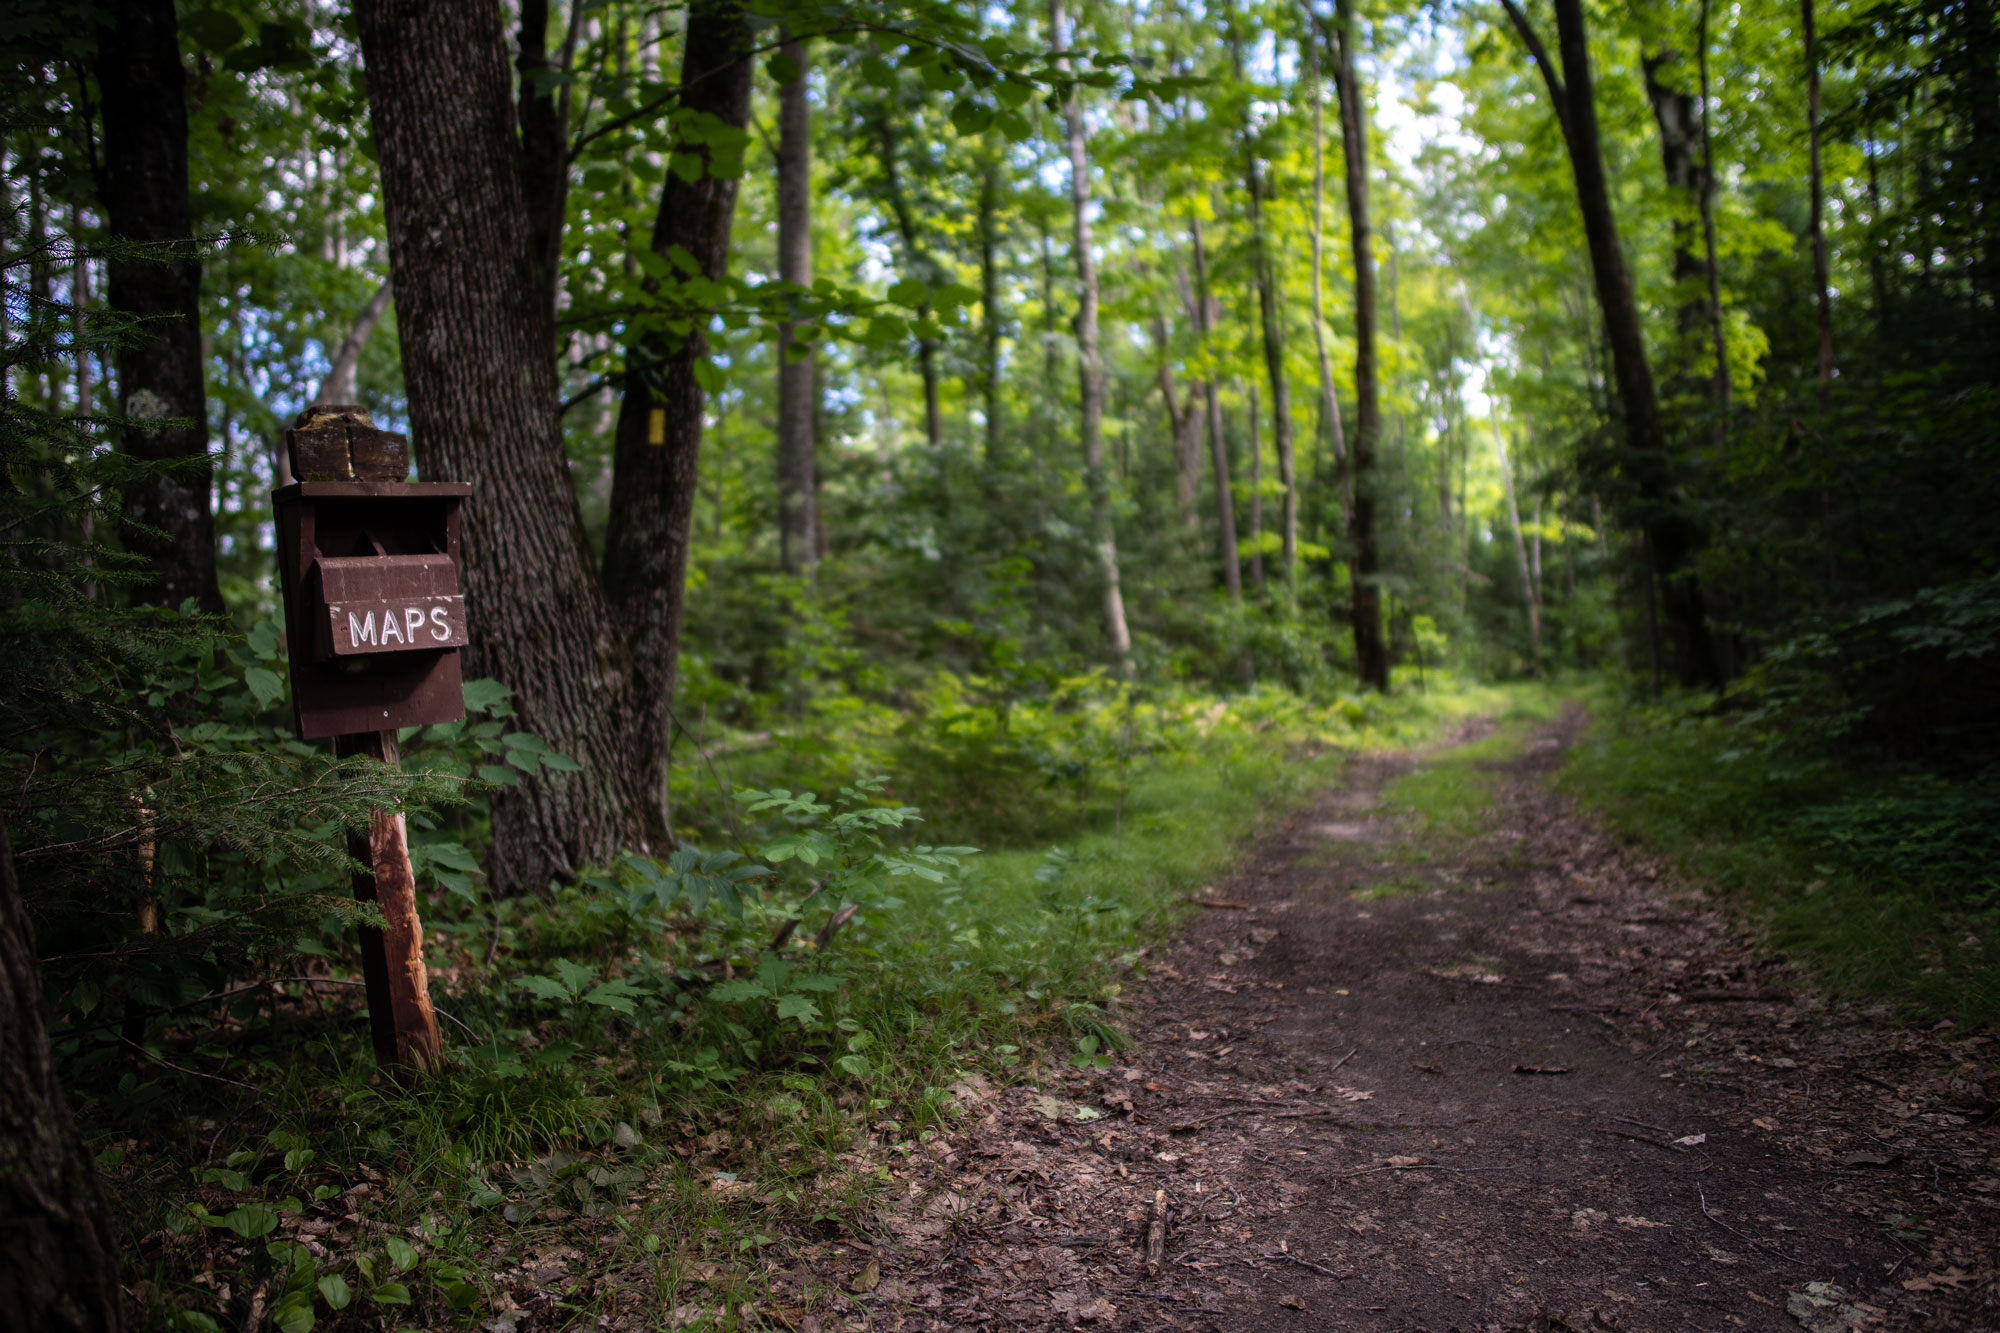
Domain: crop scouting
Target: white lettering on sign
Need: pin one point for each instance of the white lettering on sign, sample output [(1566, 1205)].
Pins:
[(395, 624)]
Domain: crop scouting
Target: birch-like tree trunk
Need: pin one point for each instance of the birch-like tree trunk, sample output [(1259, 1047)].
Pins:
[(338, 386), (796, 491), (1091, 368), (1218, 442)]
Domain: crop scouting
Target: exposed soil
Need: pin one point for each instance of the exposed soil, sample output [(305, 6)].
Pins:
[(1541, 1086)]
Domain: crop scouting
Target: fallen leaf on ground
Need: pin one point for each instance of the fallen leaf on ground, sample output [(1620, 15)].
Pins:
[(1764, 1122), (867, 1279), (1868, 1159), (1292, 1301), (1353, 1094), (1583, 1219), (1692, 1140), (1406, 1161), (1641, 1222), (1951, 1279)]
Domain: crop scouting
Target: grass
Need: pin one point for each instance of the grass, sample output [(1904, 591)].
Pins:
[(666, 1145), (1882, 883)]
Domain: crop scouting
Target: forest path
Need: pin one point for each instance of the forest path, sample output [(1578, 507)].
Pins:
[(1496, 1073)]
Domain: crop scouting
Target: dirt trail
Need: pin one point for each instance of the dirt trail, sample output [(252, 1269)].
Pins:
[(1537, 1086)]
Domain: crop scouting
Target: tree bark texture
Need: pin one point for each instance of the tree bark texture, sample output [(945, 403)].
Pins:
[(658, 442), (1218, 443), (923, 264), (1371, 649), (1671, 537), (481, 380), (1716, 334), (1255, 420), (1091, 369), (144, 188), (796, 491), (1184, 420), (338, 386), (58, 1257), (1529, 589)]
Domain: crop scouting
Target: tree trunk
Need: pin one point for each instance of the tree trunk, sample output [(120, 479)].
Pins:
[(1530, 601), (58, 1258), (1671, 538), (1256, 422), (144, 186), (1184, 420), (1716, 333), (1823, 307), (989, 306), (481, 383), (1678, 116), (1371, 650), (338, 386), (795, 374), (1329, 404), (1218, 443), (658, 443), (1269, 305), (923, 264), (1091, 369), (545, 100)]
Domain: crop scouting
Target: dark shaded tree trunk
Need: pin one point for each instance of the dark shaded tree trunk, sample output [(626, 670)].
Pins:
[(143, 183), (658, 444), (1270, 312), (1716, 333), (1371, 648), (1671, 537), (1218, 443), (923, 264), (58, 1258), (477, 362), (1822, 297), (1255, 420), (545, 141), (1329, 404), (796, 490)]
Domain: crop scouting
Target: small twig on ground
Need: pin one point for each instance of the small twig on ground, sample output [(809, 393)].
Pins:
[(1762, 1245), (1878, 1082), (1343, 1060), (193, 1073), (1289, 1257), (1422, 1166), (1224, 903), (1657, 1129), (1639, 1138)]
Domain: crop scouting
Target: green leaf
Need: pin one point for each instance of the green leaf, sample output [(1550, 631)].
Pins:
[(876, 70), (390, 1293), (293, 1313), (401, 1253), (212, 29), (970, 118), (708, 375), (484, 696), (799, 1007), (856, 1065), (615, 995), (909, 292), (732, 992), (574, 975), (268, 686), (561, 763), (251, 1220), (498, 776), (782, 69), (335, 1290)]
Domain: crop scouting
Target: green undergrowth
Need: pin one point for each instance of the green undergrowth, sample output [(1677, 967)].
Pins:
[(659, 1092), (1882, 882)]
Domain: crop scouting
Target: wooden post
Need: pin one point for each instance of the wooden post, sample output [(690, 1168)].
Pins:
[(400, 1018)]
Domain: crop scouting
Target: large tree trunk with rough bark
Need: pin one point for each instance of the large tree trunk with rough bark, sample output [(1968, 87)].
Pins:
[(144, 188), (477, 361), (58, 1259), (1371, 649), (545, 98), (796, 490), (1091, 369), (1671, 537), (658, 444)]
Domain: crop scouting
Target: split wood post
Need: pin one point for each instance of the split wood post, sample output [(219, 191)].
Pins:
[(401, 1022)]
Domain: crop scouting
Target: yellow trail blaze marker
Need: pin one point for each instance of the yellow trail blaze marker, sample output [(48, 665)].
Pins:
[(656, 426)]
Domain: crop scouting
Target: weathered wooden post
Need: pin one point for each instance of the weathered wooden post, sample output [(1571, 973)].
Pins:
[(368, 561)]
